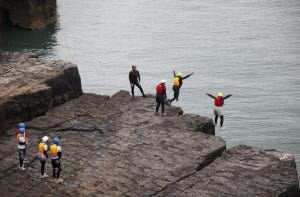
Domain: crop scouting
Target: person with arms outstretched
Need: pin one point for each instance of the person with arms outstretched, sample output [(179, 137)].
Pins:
[(219, 102), (177, 83), (135, 80)]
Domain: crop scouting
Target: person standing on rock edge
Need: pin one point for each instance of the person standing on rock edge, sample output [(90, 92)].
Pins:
[(55, 153), (177, 83), (135, 80), (161, 96), (22, 142), (43, 154), (219, 102)]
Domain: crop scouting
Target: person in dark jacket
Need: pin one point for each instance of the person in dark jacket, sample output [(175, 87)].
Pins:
[(219, 102), (135, 80), (177, 83)]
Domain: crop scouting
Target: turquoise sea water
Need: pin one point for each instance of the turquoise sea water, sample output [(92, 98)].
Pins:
[(248, 48)]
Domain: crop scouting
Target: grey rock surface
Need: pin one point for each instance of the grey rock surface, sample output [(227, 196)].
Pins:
[(30, 86), (242, 171), (112, 146), (29, 14)]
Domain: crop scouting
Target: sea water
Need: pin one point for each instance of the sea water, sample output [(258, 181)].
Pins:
[(250, 49)]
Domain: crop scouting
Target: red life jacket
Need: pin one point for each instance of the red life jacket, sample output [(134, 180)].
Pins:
[(159, 89), (218, 101)]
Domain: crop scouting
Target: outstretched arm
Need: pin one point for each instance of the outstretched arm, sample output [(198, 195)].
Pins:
[(187, 76), (211, 96), (229, 95)]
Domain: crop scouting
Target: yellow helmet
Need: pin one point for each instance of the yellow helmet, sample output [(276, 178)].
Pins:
[(179, 74), (220, 94)]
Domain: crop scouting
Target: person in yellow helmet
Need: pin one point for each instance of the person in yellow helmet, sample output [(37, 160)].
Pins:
[(177, 83), (219, 102)]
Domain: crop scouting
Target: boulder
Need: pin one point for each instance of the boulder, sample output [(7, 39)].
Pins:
[(30, 86), (29, 14)]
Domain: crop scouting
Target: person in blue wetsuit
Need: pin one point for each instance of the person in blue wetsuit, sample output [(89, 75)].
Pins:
[(219, 102)]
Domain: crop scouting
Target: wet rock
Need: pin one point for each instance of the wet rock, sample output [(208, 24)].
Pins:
[(29, 14), (30, 86)]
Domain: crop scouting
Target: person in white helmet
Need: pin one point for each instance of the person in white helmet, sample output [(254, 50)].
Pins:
[(43, 154), (161, 96)]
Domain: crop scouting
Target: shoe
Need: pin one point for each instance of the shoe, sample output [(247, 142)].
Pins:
[(22, 168), (144, 95), (59, 180), (222, 128)]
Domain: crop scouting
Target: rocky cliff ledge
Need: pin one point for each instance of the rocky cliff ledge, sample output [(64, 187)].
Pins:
[(29, 14), (116, 146), (29, 87)]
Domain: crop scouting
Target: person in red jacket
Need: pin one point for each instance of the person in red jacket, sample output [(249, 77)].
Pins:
[(219, 102), (161, 96)]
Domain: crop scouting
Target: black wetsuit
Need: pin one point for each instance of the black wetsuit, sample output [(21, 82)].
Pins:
[(177, 88), (160, 100), (134, 79)]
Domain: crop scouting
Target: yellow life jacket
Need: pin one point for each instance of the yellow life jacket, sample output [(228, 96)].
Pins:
[(176, 81), (41, 148), (53, 150)]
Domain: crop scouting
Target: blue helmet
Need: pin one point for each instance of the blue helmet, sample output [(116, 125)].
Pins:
[(21, 125), (56, 140), (22, 130)]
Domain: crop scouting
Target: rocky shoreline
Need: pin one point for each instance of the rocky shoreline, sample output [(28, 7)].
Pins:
[(115, 146)]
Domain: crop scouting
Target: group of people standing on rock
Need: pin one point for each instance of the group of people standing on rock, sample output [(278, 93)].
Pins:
[(161, 95), (54, 151)]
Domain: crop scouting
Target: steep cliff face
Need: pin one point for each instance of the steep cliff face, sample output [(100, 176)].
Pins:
[(29, 14), (29, 87)]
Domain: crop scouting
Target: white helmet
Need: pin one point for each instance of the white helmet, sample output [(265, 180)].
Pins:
[(45, 139), (163, 81)]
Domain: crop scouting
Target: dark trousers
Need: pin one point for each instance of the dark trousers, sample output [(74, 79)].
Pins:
[(56, 168), (176, 93), (43, 163), (160, 100), (22, 154), (222, 120), (139, 86)]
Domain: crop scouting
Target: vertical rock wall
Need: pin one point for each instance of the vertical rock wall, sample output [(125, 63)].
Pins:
[(29, 14), (29, 87)]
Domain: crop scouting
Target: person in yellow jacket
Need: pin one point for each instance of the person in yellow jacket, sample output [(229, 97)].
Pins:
[(55, 153), (43, 154), (177, 83)]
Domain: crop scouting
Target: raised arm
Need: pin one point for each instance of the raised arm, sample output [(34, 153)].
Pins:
[(187, 76), (229, 95), (210, 95)]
